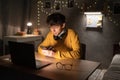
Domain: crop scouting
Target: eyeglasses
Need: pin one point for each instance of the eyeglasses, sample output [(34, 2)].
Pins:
[(62, 66)]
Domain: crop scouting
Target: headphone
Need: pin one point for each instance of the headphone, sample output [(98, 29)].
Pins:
[(60, 36)]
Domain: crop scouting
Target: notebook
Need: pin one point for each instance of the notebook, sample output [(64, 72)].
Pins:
[(23, 54)]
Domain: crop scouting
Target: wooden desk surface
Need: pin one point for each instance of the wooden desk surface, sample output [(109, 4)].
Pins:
[(81, 69), (25, 38)]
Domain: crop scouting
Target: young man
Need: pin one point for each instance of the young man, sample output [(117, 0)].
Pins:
[(60, 42)]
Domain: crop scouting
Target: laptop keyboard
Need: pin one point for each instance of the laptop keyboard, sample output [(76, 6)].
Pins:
[(41, 64)]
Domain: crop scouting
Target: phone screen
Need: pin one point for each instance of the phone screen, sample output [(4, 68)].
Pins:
[(43, 47)]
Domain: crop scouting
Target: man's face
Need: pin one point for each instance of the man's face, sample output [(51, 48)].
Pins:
[(56, 29)]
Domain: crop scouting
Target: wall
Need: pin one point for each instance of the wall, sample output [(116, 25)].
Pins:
[(13, 17)]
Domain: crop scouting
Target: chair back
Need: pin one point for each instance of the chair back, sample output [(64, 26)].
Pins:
[(83, 51)]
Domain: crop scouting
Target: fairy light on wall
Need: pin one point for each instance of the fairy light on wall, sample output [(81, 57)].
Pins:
[(38, 13), (63, 4), (110, 16), (82, 6)]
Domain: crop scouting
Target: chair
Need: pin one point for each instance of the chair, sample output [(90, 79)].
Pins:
[(116, 49), (83, 51), (1, 47)]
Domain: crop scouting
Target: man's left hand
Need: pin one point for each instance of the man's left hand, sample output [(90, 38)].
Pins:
[(49, 53)]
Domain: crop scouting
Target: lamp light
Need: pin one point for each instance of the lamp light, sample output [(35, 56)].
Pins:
[(29, 24)]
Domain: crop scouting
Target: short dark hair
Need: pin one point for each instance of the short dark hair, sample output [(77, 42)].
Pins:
[(55, 19)]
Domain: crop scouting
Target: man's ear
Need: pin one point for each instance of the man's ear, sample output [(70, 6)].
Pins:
[(63, 26)]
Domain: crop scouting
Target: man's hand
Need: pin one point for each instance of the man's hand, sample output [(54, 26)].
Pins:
[(49, 53)]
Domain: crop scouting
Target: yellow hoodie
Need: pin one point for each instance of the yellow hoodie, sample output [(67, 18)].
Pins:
[(69, 47)]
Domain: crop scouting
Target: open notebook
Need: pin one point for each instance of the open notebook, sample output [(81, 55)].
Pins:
[(23, 54)]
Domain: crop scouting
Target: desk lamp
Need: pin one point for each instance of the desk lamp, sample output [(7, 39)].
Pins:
[(29, 30)]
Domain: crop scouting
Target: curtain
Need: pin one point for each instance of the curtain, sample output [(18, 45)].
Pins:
[(13, 16)]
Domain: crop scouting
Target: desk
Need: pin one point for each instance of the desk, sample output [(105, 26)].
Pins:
[(81, 69), (35, 39)]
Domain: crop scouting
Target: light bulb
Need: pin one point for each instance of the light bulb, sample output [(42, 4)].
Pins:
[(29, 24)]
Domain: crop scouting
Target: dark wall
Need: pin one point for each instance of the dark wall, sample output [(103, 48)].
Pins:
[(99, 43), (13, 16)]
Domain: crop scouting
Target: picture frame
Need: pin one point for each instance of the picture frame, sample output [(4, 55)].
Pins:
[(47, 4), (94, 20), (70, 3), (116, 7), (57, 5)]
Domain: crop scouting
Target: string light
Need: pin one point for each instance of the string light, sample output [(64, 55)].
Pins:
[(79, 5), (110, 16), (38, 13)]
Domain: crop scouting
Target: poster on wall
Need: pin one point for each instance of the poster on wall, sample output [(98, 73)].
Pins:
[(94, 20), (47, 4), (116, 8), (57, 5), (70, 3)]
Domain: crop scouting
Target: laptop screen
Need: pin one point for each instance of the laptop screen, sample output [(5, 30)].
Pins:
[(22, 54)]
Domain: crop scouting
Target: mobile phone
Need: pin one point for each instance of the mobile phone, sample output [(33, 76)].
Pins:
[(43, 47)]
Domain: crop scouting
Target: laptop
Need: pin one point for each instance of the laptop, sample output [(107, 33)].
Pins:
[(23, 54)]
